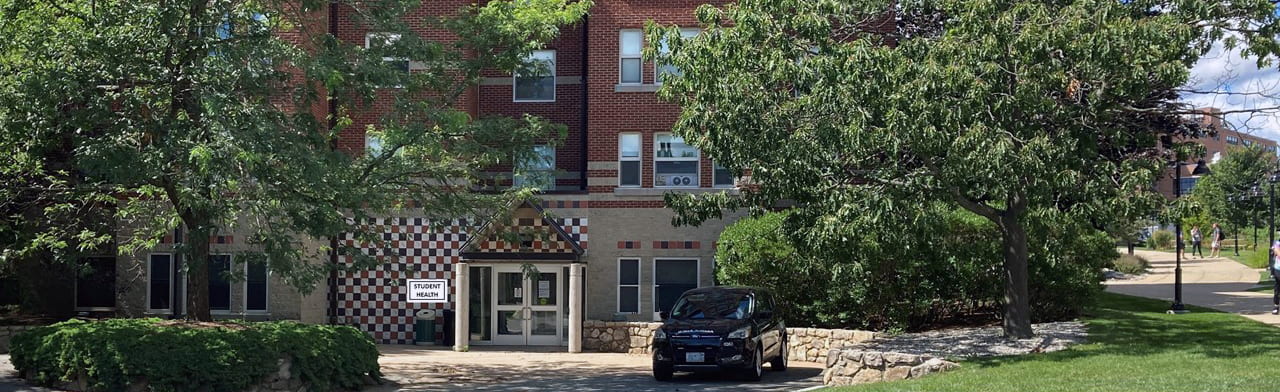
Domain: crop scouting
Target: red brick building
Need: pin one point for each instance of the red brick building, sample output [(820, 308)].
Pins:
[(1216, 147)]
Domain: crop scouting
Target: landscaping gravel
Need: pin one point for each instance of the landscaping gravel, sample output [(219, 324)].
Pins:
[(962, 343)]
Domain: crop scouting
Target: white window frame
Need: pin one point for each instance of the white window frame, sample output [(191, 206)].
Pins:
[(618, 303), (638, 158), (697, 163), (733, 182), (368, 138), (1232, 140), (630, 56), (517, 180), (149, 274), (266, 292), (390, 38), (685, 33), (231, 263), (515, 77), (653, 288)]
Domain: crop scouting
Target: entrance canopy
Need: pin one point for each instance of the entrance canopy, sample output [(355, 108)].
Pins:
[(526, 234)]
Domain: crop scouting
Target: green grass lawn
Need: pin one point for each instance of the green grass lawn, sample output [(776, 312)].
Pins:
[(1246, 257), (1134, 346)]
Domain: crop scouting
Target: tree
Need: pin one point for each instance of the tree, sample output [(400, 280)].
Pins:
[(210, 115), (1018, 111), (1219, 194)]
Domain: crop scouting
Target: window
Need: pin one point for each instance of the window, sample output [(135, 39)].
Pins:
[(1233, 140), (721, 177), (96, 286), (537, 171), (662, 69), (382, 42), (255, 287), (672, 277), (537, 81), (219, 285), (629, 62), (159, 282), (1186, 184), (675, 164), (629, 159), (628, 285), (372, 144)]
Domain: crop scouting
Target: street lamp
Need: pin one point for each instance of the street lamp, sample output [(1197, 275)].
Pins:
[(1200, 169), (1255, 193), (1271, 215), (1233, 200)]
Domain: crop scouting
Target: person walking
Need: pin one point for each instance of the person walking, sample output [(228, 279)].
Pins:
[(1218, 236), (1275, 277), (1196, 238)]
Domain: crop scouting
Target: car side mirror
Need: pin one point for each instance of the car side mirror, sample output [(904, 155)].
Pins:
[(663, 315)]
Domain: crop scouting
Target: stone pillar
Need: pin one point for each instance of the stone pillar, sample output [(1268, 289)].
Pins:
[(462, 307), (575, 307)]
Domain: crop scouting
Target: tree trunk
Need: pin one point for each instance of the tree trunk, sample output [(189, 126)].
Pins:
[(198, 272), (1131, 248), (1017, 301)]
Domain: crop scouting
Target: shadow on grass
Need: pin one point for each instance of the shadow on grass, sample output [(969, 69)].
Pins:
[(1123, 325)]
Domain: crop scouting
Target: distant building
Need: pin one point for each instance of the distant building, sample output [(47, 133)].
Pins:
[(1216, 147)]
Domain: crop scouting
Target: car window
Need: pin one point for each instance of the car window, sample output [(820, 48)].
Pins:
[(713, 306), (764, 302)]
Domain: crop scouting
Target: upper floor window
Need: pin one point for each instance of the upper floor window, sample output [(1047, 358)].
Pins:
[(381, 41), (629, 59), (536, 81), (675, 164), (721, 177), (662, 69), (629, 159), (1233, 140), (372, 144), (537, 171)]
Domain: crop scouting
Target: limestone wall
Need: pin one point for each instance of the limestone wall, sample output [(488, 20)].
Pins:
[(7, 332), (632, 337), (812, 344), (858, 366)]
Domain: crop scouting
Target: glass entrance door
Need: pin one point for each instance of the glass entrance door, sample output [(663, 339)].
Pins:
[(527, 308)]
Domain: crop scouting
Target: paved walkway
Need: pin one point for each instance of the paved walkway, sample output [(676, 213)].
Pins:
[(413, 368), (1218, 283)]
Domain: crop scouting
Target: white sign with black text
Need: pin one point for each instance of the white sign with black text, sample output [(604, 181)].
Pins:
[(428, 290)]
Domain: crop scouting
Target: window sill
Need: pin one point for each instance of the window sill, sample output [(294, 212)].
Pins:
[(636, 88), (659, 191)]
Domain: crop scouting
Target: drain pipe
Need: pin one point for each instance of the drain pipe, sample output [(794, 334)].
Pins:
[(582, 129)]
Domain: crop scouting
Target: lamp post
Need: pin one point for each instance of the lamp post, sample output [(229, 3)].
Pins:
[(1200, 169), (1233, 200), (1255, 193), (1271, 213)]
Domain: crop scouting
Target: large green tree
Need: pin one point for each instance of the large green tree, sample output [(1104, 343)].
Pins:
[(1019, 111), (213, 115), (1224, 196)]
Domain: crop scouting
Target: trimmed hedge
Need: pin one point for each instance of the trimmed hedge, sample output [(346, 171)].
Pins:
[(231, 357)]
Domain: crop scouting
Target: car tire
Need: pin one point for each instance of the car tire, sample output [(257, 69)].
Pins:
[(780, 363), (662, 372), (756, 371)]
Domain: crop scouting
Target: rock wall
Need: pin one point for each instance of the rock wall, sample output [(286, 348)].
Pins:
[(812, 344), (618, 336), (850, 366), (7, 332), (804, 344)]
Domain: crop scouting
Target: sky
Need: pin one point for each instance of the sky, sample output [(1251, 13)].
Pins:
[(1232, 82)]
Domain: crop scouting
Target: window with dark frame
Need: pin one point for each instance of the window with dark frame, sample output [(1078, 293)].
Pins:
[(629, 150), (629, 286), (160, 282), (256, 287), (96, 287), (219, 283)]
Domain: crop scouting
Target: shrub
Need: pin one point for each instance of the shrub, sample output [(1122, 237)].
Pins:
[(1131, 264), (1161, 239), (942, 266), (229, 357)]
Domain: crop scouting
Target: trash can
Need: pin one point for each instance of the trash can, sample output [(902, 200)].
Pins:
[(424, 327)]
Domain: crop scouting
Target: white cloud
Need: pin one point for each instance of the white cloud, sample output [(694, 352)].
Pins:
[(1226, 71)]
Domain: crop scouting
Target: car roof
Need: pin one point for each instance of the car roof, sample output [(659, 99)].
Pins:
[(726, 290)]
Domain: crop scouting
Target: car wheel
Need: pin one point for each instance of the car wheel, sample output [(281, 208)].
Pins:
[(780, 363), (662, 372), (756, 371)]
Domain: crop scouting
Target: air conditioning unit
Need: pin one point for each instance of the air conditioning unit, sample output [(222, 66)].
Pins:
[(678, 180)]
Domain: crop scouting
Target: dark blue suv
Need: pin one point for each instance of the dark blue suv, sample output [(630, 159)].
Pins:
[(721, 328)]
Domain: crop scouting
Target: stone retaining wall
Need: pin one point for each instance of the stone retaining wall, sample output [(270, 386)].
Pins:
[(7, 332), (812, 344), (804, 344), (618, 336), (858, 366)]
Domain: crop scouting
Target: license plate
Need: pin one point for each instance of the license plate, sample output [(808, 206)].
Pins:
[(694, 357)]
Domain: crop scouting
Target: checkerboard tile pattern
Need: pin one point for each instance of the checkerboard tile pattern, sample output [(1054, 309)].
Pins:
[(375, 301)]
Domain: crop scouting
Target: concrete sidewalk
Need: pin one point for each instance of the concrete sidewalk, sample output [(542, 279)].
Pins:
[(1217, 283)]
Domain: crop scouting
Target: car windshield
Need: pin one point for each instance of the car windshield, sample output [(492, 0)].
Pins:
[(714, 306)]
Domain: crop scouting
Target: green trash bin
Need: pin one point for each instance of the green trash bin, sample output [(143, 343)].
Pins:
[(424, 328)]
